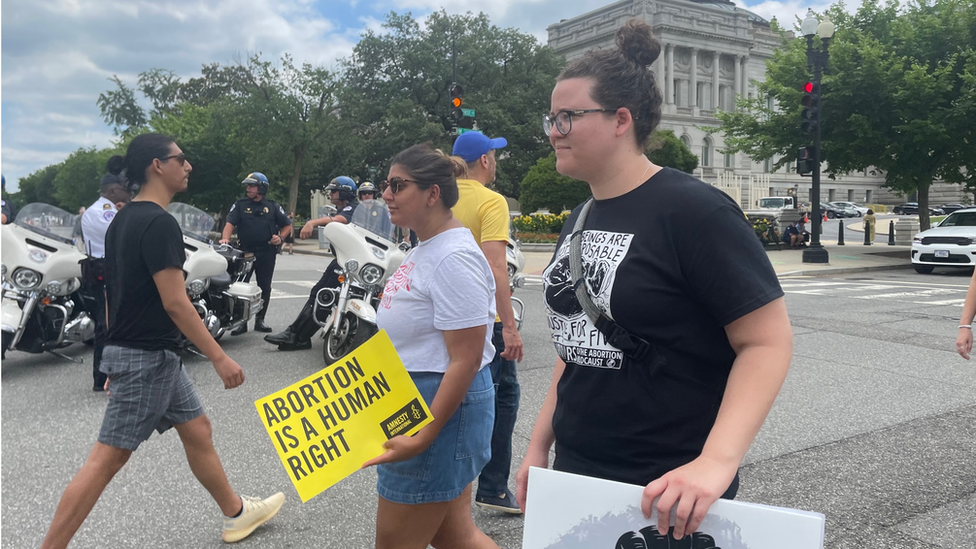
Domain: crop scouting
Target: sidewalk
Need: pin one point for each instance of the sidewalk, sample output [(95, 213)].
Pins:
[(851, 258)]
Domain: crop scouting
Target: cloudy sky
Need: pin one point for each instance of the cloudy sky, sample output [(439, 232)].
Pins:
[(57, 55)]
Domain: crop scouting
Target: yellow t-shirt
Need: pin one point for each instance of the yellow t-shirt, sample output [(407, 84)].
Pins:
[(483, 211)]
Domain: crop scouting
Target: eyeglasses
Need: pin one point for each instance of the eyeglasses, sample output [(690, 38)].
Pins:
[(395, 184), (563, 120), (181, 158)]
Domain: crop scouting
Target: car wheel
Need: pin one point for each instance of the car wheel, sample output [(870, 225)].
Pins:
[(923, 269), (831, 215), (859, 214)]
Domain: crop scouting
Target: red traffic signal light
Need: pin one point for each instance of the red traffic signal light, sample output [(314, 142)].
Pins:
[(811, 107)]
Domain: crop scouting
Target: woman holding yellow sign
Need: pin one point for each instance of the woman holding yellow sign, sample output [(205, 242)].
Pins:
[(437, 309)]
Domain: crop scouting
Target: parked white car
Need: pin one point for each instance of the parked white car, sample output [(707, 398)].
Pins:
[(861, 210), (952, 243)]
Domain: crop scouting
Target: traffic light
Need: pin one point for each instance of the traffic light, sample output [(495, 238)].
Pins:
[(811, 107), (456, 101), (805, 158)]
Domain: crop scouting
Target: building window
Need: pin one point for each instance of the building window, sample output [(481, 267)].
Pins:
[(699, 102), (831, 195), (869, 197), (729, 157), (687, 141), (767, 165), (850, 195), (706, 154)]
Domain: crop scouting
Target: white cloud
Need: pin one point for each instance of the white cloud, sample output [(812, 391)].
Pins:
[(57, 56)]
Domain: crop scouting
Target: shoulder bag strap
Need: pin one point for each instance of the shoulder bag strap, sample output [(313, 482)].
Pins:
[(633, 346)]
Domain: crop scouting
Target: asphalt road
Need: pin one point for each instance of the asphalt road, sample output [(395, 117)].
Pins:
[(875, 427)]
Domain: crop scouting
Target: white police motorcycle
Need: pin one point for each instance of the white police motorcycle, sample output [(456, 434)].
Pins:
[(215, 275), (516, 264), (367, 255), (42, 309)]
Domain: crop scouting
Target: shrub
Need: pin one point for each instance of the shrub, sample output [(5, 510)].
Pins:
[(540, 223)]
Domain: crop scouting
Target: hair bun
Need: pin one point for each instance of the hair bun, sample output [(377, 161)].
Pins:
[(115, 165), (637, 44)]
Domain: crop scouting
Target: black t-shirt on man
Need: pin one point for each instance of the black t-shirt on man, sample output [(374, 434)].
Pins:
[(673, 261), (142, 240), (257, 222)]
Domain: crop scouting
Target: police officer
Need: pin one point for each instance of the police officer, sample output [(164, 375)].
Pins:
[(298, 335), (261, 227), (94, 224)]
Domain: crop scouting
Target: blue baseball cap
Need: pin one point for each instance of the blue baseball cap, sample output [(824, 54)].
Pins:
[(471, 145)]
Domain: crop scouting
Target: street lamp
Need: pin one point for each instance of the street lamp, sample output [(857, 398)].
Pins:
[(816, 60)]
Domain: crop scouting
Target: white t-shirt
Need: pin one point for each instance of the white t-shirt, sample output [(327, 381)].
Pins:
[(94, 223), (444, 283)]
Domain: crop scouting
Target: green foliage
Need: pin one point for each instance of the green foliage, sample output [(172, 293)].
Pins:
[(397, 88), (79, 176), (37, 187), (900, 95), (665, 149), (540, 223), (120, 109), (544, 187)]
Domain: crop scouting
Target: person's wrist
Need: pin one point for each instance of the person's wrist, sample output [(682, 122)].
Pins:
[(965, 326)]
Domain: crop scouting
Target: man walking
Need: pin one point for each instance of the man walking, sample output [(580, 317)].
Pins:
[(261, 227), (94, 224), (485, 213), (149, 386)]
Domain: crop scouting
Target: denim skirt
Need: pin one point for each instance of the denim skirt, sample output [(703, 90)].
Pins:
[(457, 455)]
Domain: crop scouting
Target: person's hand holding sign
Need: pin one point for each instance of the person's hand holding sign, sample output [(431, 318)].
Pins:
[(402, 448)]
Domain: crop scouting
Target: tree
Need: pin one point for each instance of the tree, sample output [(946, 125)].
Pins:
[(545, 188), (398, 88), (120, 109), (37, 187), (665, 149), (900, 95), (78, 178)]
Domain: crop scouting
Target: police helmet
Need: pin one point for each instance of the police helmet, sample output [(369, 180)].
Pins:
[(258, 179), (346, 187), (366, 187)]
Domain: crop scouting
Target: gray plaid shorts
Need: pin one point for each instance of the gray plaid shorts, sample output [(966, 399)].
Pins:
[(149, 390)]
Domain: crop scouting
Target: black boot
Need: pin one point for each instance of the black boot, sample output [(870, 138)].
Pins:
[(283, 338), (242, 329), (303, 329), (260, 326)]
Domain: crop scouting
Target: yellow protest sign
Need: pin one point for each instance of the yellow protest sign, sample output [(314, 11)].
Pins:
[(327, 425)]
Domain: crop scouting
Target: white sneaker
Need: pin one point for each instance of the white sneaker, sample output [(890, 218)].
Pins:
[(256, 512)]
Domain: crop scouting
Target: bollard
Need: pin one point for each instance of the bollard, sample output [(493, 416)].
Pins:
[(867, 234), (840, 233), (891, 233)]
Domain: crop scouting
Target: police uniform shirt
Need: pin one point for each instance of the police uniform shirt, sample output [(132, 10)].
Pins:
[(94, 224), (8, 210), (257, 222)]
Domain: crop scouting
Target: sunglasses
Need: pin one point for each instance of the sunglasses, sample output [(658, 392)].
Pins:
[(179, 157), (395, 184)]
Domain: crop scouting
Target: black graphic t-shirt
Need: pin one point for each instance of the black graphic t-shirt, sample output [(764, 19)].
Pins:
[(142, 240), (673, 261)]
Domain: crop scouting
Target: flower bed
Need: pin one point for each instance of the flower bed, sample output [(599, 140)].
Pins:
[(538, 238)]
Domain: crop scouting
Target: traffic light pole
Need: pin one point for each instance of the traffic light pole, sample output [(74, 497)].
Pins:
[(816, 253)]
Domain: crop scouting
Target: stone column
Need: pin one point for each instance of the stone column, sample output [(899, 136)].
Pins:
[(669, 74), (738, 77), (744, 90), (717, 57), (693, 92), (659, 71)]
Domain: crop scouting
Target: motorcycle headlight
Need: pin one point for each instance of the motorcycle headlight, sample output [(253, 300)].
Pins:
[(54, 287), (27, 279), (352, 266), (371, 274), (380, 254), (196, 286)]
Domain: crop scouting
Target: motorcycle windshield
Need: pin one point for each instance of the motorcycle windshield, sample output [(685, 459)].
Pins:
[(49, 221), (374, 216), (194, 221)]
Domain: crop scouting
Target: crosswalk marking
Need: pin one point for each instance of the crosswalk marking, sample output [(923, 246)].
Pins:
[(896, 291)]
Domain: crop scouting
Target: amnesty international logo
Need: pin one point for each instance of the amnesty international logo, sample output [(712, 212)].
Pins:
[(404, 419)]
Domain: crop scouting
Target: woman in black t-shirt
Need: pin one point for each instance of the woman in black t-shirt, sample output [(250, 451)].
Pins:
[(693, 283)]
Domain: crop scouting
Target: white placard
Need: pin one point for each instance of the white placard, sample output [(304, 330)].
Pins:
[(566, 511)]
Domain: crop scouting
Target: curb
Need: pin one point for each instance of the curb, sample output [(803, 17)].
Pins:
[(538, 247), (843, 270)]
